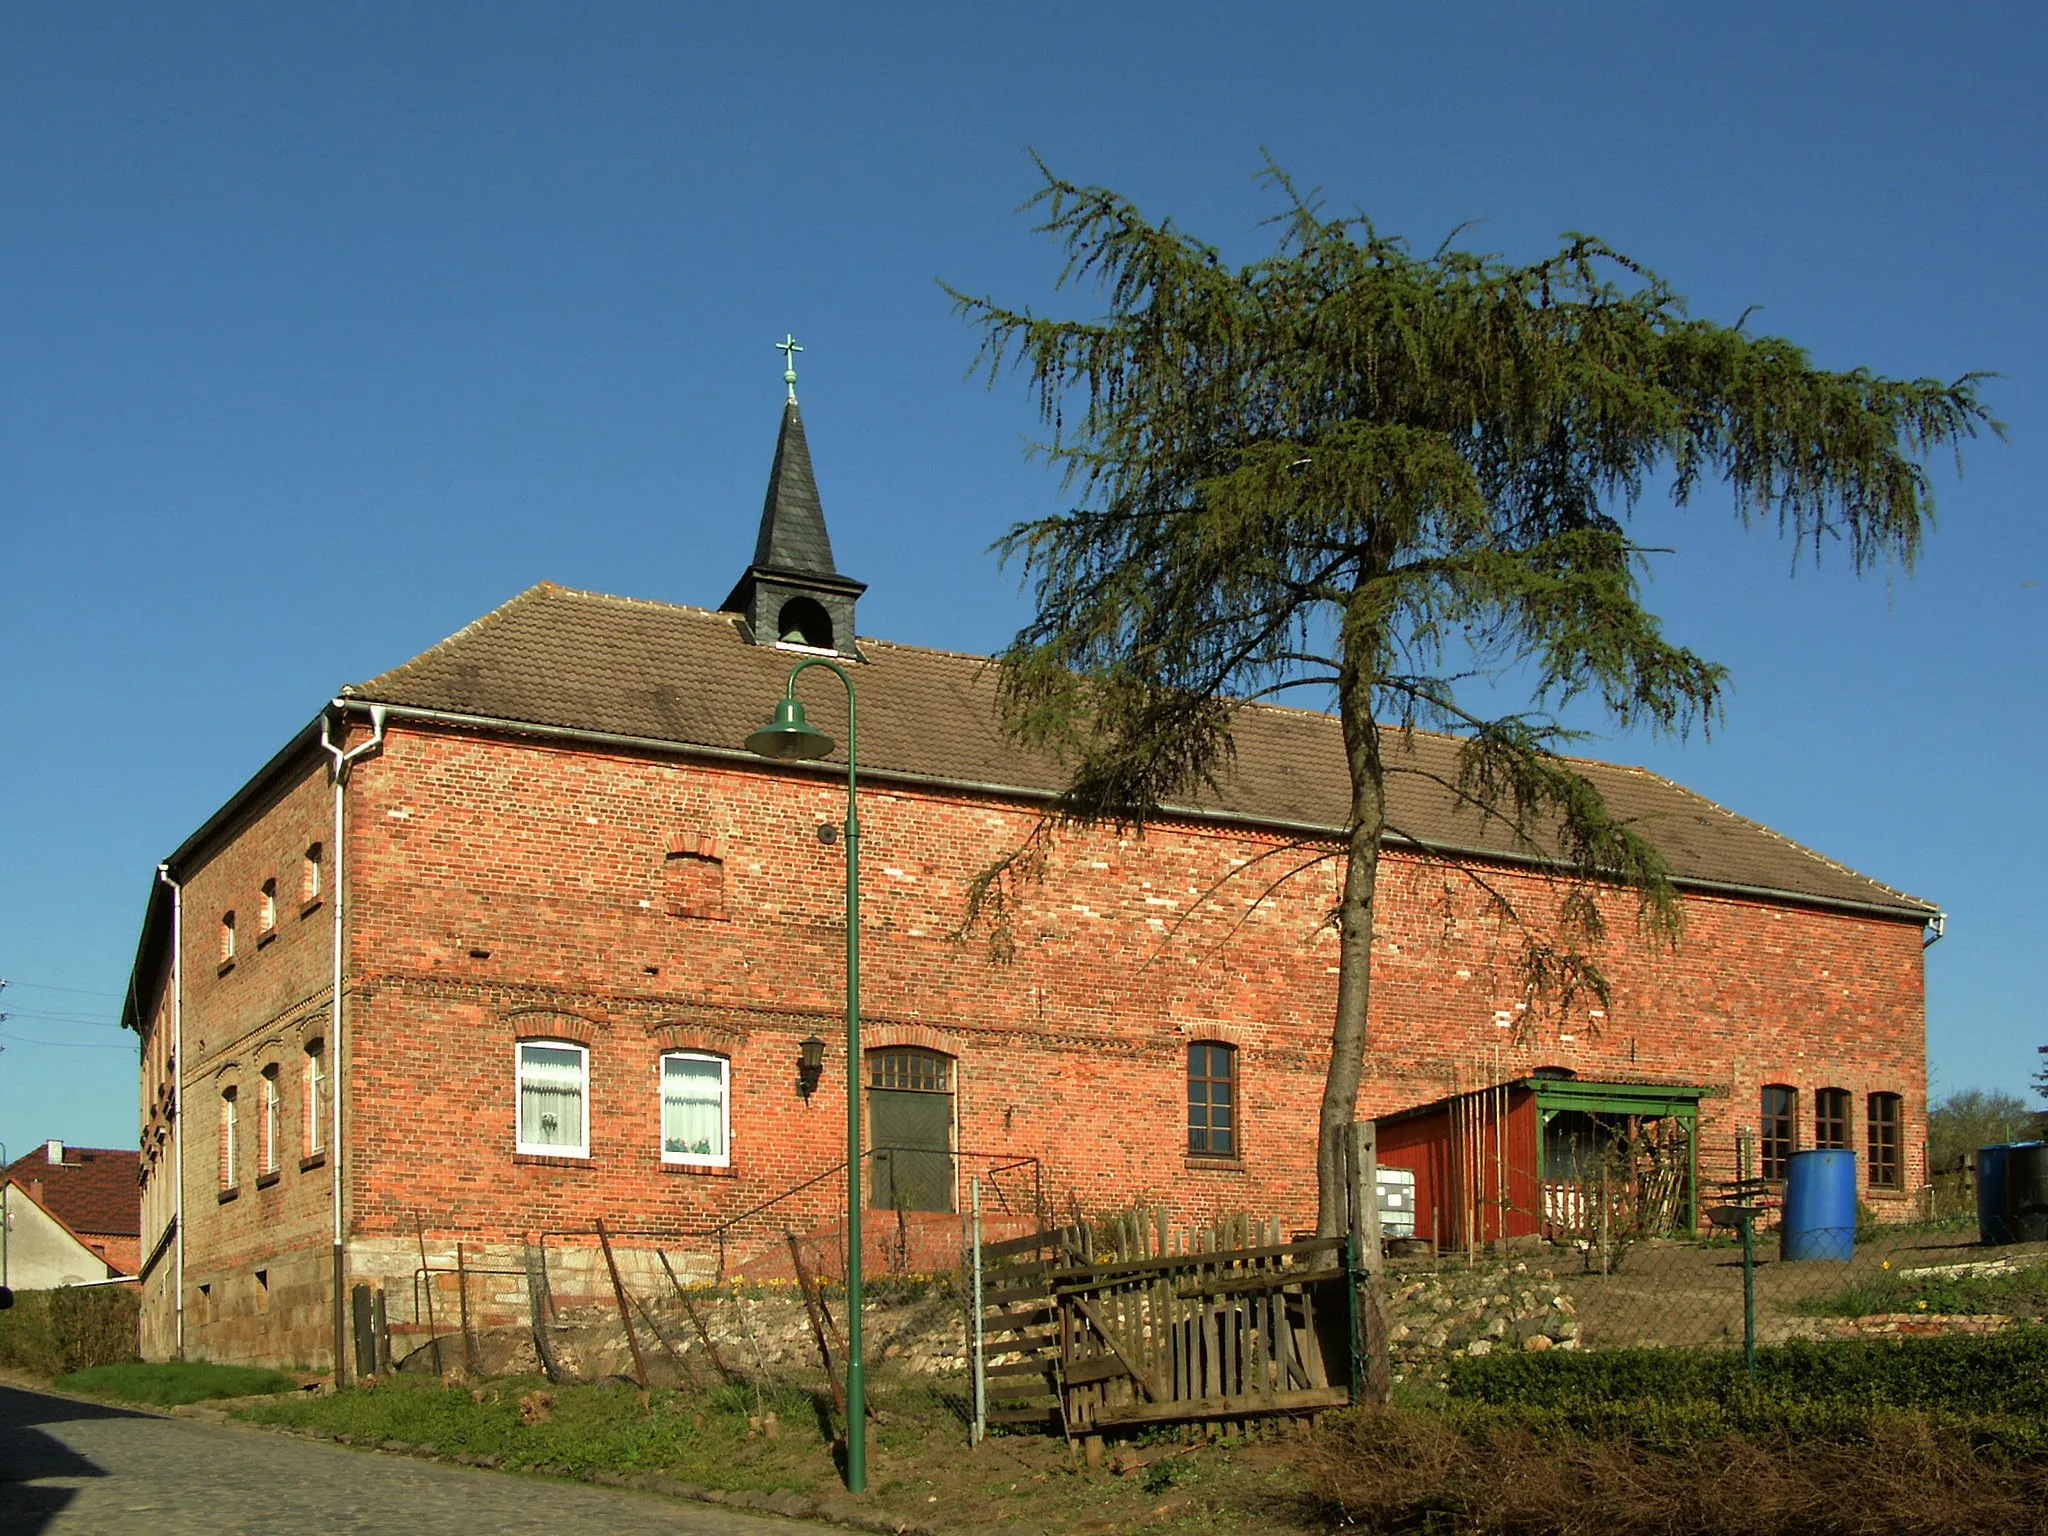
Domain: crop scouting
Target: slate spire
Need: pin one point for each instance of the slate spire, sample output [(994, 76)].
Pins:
[(793, 593)]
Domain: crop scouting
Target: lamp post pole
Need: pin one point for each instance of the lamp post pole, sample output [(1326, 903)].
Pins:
[(787, 738)]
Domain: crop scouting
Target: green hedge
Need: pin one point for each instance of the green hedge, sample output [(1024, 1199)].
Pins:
[(52, 1332), (2004, 1373)]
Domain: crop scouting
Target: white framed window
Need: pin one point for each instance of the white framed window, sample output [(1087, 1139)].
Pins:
[(696, 1109), (268, 1130), (316, 1097), (266, 908), (227, 1139), (554, 1098)]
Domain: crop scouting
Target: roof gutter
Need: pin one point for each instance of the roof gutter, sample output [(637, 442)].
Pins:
[(1906, 910)]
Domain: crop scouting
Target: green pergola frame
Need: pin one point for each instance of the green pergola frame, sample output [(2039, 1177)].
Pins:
[(1647, 1101)]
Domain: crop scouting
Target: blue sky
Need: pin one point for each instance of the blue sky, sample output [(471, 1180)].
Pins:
[(325, 329)]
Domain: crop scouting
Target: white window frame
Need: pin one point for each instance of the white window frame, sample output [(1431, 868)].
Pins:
[(267, 1153), (697, 1159), (229, 1173), (316, 1107), (551, 1149)]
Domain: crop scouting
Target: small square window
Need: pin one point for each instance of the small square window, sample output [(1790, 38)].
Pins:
[(1212, 1100), (696, 1111), (554, 1098)]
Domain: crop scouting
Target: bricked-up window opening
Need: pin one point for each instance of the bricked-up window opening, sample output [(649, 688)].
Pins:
[(1831, 1118), (1778, 1129), (1882, 1156), (267, 1131), (309, 876), (266, 911), (693, 878), (316, 1097), (227, 938), (1212, 1100), (227, 1138), (696, 1117), (554, 1098)]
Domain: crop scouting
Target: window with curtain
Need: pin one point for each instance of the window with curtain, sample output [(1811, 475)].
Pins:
[(1886, 1169), (1831, 1118), (1778, 1129), (554, 1082), (695, 1114), (1212, 1100)]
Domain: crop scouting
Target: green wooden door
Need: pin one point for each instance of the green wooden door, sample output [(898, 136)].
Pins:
[(912, 1134)]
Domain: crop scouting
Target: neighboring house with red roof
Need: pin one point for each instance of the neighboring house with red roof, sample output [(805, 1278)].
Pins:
[(588, 948), (74, 1214)]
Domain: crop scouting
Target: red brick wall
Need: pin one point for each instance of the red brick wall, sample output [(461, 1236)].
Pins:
[(256, 1260), (506, 890), (525, 890)]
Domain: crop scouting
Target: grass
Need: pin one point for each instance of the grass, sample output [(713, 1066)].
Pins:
[(2023, 1293), (167, 1385), (920, 1469)]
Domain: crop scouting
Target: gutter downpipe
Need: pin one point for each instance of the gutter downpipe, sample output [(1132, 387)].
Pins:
[(163, 873), (343, 761)]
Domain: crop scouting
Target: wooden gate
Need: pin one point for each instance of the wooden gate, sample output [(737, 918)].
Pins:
[(1159, 1327)]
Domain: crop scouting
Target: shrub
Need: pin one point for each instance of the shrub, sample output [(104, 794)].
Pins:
[(2002, 1373), (52, 1332), (1383, 1469)]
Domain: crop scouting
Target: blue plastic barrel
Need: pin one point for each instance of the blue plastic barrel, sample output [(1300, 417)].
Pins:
[(1820, 1205), (2026, 1192), (1992, 1227)]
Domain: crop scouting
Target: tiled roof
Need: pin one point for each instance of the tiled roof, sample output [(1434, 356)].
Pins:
[(94, 1192), (554, 658)]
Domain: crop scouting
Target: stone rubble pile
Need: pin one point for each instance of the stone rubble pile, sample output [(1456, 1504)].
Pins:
[(1433, 1316)]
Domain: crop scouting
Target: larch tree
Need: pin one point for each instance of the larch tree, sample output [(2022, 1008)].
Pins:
[(1349, 466)]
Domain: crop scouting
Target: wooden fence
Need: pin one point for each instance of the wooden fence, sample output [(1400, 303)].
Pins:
[(1130, 1323)]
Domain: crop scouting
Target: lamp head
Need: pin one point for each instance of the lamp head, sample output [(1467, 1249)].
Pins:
[(788, 738), (810, 1065)]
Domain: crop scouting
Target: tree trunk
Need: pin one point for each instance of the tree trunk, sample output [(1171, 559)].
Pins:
[(1354, 937)]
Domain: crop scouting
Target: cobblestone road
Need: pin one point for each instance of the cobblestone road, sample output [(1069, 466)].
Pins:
[(69, 1468)]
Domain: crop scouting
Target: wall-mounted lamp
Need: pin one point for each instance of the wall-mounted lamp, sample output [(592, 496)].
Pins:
[(810, 1065)]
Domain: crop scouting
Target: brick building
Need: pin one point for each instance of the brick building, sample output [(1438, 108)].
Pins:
[(86, 1219), (581, 937)]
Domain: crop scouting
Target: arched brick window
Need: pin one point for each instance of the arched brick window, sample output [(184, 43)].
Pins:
[(1212, 1099), (1777, 1129), (1831, 1117), (1881, 1157)]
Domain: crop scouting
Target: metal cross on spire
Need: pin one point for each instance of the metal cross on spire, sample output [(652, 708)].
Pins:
[(789, 349)]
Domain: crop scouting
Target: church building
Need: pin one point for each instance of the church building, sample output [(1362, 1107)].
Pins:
[(520, 935)]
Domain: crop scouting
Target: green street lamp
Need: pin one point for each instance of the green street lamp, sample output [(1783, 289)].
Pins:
[(789, 738)]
